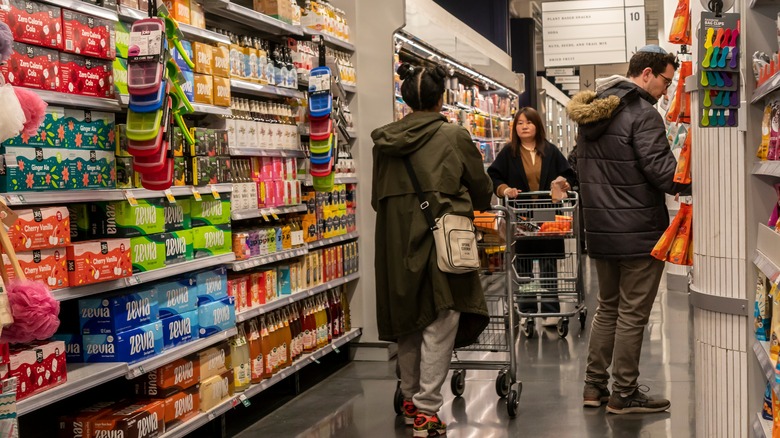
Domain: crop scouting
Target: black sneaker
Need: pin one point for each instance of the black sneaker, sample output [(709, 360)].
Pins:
[(636, 403), (594, 395)]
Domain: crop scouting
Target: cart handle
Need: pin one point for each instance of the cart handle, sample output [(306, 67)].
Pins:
[(570, 195)]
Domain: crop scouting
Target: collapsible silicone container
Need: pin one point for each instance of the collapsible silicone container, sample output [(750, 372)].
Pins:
[(149, 102), (321, 158), (146, 77), (145, 148), (321, 128), (320, 104), (144, 126), (320, 147), (161, 180), (151, 163), (323, 184)]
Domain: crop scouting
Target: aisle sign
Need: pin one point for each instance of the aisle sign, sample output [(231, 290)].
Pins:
[(567, 79), (586, 32), (560, 71)]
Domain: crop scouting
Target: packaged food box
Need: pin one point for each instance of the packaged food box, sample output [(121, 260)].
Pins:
[(129, 346), (177, 215), (80, 228), (179, 10), (221, 55), (203, 58), (122, 32), (47, 265), (32, 67), (169, 379), (189, 85), (180, 329), (214, 361), (178, 247), (121, 141), (40, 228), (204, 171), (205, 142), (120, 219), (238, 288), (221, 91), (148, 252), (34, 23), (204, 88), (118, 312), (124, 173), (120, 76), (92, 170), (86, 129), (37, 367), (187, 46), (86, 76), (98, 260), (211, 211), (50, 133), (216, 316), (72, 343), (78, 424), (181, 172), (181, 407), (143, 419), (212, 240), (87, 35), (177, 296), (197, 15), (211, 284), (215, 390)]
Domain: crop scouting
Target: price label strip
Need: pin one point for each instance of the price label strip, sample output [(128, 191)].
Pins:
[(214, 192), (169, 196), (130, 198), (196, 194)]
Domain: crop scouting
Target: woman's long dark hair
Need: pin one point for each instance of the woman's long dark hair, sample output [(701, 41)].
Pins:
[(541, 136)]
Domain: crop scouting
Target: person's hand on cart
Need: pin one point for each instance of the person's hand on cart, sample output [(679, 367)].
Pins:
[(510, 192)]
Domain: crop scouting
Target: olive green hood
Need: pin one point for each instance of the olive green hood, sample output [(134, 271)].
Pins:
[(408, 134)]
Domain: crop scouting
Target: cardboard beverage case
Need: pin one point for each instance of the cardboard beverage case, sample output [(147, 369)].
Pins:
[(177, 215), (47, 265), (180, 329), (204, 88), (182, 406), (40, 228), (86, 129), (98, 260), (86, 76), (143, 419), (120, 219), (169, 379), (129, 346), (215, 390), (73, 344), (214, 361), (32, 67), (211, 284), (212, 240), (119, 312), (37, 367), (203, 58), (79, 424), (177, 297), (34, 23), (92, 169), (211, 211), (216, 316), (87, 35), (148, 252), (48, 135), (80, 228)]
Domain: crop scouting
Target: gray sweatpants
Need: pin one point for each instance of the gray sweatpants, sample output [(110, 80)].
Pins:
[(424, 361)]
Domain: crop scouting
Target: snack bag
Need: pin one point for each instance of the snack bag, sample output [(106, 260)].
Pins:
[(763, 148), (775, 415), (679, 250), (678, 110), (683, 172), (681, 24), (774, 134), (766, 412), (774, 336), (763, 309), (661, 249), (774, 221)]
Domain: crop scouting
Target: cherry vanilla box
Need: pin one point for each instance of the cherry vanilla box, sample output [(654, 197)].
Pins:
[(169, 379), (87, 35), (143, 419), (182, 406), (37, 366), (86, 76), (47, 265), (40, 228), (98, 260), (34, 23), (32, 67)]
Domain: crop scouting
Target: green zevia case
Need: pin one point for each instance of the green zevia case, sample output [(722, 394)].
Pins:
[(120, 219), (212, 240), (211, 211)]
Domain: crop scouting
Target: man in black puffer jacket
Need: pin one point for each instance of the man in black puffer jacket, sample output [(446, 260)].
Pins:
[(625, 168)]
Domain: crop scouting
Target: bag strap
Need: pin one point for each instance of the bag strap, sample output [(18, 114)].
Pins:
[(420, 196)]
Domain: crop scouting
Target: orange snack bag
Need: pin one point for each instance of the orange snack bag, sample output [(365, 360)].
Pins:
[(681, 24), (679, 249), (661, 249), (683, 172)]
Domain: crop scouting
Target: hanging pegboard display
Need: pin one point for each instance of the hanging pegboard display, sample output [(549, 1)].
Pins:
[(719, 70)]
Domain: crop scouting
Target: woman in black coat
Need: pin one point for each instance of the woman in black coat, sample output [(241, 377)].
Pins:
[(530, 163)]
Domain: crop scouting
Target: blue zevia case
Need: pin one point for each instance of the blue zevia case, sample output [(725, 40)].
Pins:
[(130, 346), (180, 329), (177, 297), (212, 285), (217, 316), (73, 344), (118, 313)]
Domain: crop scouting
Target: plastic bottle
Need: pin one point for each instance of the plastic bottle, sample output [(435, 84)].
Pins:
[(256, 351), (239, 353)]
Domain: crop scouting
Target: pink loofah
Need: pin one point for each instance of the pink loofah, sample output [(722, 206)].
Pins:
[(6, 40), (34, 110), (35, 312)]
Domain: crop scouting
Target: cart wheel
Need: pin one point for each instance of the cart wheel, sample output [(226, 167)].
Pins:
[(458, 383), (528, 328), (583, 318), (398, 400), (503, 384), (563, 327), (513, 401)]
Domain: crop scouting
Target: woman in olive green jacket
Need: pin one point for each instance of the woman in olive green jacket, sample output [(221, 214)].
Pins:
[(426, 311)]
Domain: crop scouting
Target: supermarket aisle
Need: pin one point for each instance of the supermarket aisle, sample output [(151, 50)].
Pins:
[(357, 401)]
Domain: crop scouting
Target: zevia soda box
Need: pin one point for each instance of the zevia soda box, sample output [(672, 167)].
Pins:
[(86, 76), (119, 312), (178, 246), (211, 211), (87, 35), (216, 316), (212, 284), (73, 344), (180, 329), (169, 379), (34, 23), (212, 240), (130, 346), (177, 215), (98, 260), (139, 420), (120, 219), (40, 228), (182, 406), (177, 297), (47, 265), (78, 424), (148, 252)]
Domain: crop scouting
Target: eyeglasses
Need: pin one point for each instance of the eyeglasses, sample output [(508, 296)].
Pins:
[(667, 81)]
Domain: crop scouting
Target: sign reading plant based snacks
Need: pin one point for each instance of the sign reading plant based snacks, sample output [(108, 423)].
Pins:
[(585, 32), (719, 70)]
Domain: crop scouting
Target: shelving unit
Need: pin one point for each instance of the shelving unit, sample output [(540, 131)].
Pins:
[(771, 85), (200, 109), (77, 101), (762, 428), (250, 18), (203, 418), (242, 265), (262, 90), (331, 41), (768, 168), (257, 152), (349, 88), (767, 257), (39, 198), (70, 293), (327, 242), (86, 8), (263, 212), (761, 349), (307, 181), (292, 298)]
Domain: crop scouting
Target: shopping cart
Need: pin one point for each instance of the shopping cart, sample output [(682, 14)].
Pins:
[(545, 258)]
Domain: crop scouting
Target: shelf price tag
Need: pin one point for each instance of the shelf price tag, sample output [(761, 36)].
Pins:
[(15, 199), (273, 215), (196, 194), (264, 216), (169, 196), (314, 359), (130, 198), (336, 349), (244, 400), (132, 280), (214, 192)]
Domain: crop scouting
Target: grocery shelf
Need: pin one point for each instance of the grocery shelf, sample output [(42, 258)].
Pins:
[(86, 8), (241, 265), (70, 293), (250, 17), (81, 377), (201, 419), (307, 181), (331, 41), (192, 32), (330, 241), (252, 88), (257, 152), (297, 296), (762, 428), (771, 168), (767, 256), (131, 14), (772, 84), (761, 349), (78, 101), (352, 132), (71, 196), (199, 108), (260, 212), (168, 356), (349, 88)]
